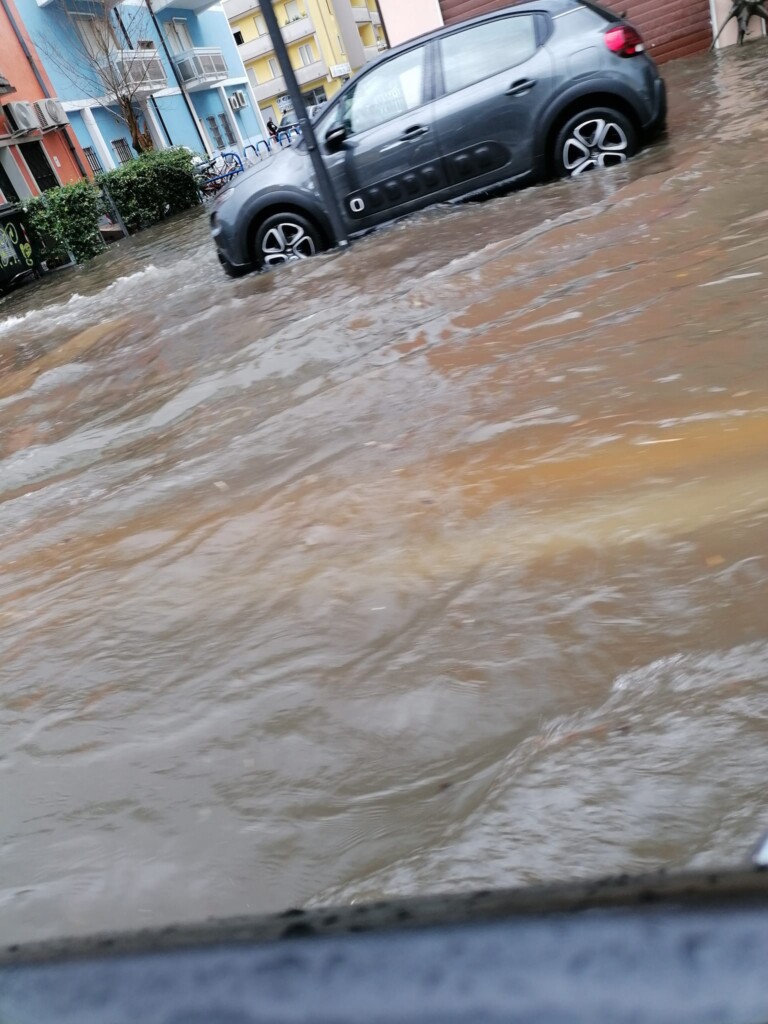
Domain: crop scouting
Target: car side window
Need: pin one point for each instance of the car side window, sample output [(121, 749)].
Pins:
[(487, 49), (388, 91)]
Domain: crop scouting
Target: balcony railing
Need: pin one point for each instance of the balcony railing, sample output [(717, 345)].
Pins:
[(5, 86), (291, 33), (298, 29), (235, 9), (201, 66), (258, 47), (268, 90), (375, 18), (361, 15), (197, 6), (276, 86), (308, 73), (142, 71)]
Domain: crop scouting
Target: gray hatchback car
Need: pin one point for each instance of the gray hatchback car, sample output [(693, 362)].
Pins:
[(556, 87)]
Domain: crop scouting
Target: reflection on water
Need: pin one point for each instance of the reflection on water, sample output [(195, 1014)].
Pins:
[(439, 563)]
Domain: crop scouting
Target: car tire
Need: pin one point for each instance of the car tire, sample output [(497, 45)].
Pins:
[(284, 238), (594, 138)]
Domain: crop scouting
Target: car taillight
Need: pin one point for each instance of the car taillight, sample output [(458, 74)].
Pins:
[(624, 41)]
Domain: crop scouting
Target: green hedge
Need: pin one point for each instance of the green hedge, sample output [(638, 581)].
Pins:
[(66, 219), (152, 187)]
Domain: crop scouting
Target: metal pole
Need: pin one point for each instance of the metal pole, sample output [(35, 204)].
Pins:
[(177, 76), (324, 183)]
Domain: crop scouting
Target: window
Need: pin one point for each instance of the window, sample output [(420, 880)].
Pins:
[(37, 161), (226, 127), (390, 90), (292, 12), (213, 128), (261, 25), (122, 151), (238, 37), (274, 67), (93, 159), (178, 36), (314, 97), (487, 49), (306, 54), (96, 34)]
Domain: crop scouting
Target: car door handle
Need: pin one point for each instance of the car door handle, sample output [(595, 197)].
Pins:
[(413, 132), (520, 87)]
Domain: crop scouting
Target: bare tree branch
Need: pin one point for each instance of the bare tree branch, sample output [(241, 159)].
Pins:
[(97, 48)]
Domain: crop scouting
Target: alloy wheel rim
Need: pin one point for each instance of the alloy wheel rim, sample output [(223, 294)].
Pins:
[(598, 142), (285, 242)]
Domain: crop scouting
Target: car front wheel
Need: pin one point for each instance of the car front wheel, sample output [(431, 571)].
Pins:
[(594, 139), (283, 238)]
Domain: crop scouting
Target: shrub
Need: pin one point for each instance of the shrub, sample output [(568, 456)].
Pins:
[(66, 220), (152, 187)]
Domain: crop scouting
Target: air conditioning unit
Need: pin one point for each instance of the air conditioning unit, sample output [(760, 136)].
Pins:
[(55, 112), (21, 117), (42, 117), (237, 100)]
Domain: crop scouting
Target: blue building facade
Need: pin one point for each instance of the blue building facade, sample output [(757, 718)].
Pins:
[(187, 80)]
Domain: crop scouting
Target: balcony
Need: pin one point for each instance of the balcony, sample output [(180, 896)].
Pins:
[(370, 53), (291, 33), (375, 18), (299, 29), (258, 47), (361, 15), (310, 72), (276, 86), (235, 9), (196, 6), (200, 67), (5, 86), (268, 90), (141, 70)]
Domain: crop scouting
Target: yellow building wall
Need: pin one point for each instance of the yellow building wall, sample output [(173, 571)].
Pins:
[(326, 45)]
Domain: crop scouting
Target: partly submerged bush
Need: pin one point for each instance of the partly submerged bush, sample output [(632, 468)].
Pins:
[(65, 220), (152, 187)]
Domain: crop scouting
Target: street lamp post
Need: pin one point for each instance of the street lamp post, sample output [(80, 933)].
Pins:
[(324, 183)]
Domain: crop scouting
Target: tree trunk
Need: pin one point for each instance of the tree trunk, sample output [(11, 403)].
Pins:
[(140, 140)]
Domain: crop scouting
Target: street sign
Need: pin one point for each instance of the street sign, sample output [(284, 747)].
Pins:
[(339, 70)]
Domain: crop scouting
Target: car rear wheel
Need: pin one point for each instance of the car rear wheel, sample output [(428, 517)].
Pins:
[(283, 238), (594, 139)]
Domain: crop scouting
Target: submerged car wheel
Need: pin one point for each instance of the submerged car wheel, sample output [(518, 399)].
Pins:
[(283, 238), (594, 139)]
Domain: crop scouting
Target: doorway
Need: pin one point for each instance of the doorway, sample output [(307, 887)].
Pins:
[(9, 193)]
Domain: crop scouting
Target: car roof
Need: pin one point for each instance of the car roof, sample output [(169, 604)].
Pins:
[(543, 6)]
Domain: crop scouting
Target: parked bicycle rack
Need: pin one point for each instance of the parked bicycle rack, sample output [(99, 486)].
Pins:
[(233, 165)]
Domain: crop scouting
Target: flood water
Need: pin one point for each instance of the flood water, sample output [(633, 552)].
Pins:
[(435, 564)]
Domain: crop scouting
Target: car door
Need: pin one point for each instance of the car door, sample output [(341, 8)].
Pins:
[(388, 162), (493, 80)]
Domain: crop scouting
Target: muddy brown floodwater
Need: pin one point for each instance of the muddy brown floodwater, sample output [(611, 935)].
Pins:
[(434, 564)]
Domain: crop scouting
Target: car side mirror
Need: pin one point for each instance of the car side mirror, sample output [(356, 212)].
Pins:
[(335, 138)]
